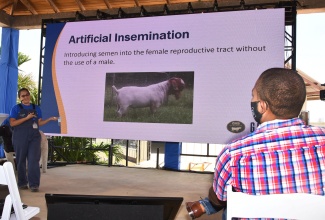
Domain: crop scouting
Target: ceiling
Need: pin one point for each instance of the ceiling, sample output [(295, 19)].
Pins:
[(28, 14)]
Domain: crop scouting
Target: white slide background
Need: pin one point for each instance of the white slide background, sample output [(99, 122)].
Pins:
[(223, 80)]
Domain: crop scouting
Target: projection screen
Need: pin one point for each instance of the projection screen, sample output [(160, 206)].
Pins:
[(180, 78)]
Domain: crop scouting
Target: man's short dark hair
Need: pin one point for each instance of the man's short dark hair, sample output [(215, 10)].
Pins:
[(284, 90)]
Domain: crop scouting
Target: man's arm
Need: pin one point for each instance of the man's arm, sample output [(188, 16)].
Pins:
[(222, 174)]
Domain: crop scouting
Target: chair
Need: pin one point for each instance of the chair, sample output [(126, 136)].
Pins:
[(300, 206), (7, 177)]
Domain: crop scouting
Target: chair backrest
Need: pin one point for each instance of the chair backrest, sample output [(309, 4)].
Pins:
[(301, 206), (6, 211), (7, 177), (7, 205)]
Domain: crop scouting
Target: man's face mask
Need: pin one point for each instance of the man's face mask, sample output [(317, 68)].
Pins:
[(256, 114)]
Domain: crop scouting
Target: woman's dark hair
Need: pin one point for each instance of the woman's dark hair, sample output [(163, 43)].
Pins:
[(284, 90), (20, 90)]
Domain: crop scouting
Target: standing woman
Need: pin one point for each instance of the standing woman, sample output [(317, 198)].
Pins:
[(25, 119)]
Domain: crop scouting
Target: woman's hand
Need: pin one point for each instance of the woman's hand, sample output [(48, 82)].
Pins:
[(43, 122), (54, 118), (31, 115)]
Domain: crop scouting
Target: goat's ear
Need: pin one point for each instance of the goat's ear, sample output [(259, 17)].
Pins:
[(174, 83)]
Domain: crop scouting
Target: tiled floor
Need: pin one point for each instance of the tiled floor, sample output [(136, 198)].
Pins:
[(120, 181)]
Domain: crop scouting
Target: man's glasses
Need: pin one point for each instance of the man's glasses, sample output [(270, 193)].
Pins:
[(25, 95)]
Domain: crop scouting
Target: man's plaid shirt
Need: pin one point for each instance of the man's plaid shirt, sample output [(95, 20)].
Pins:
[(281, 156)]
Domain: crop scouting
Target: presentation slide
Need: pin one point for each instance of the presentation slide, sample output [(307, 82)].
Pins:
[(180, 78)]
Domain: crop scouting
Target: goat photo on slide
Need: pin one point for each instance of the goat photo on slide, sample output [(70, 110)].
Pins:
[(150, 97)]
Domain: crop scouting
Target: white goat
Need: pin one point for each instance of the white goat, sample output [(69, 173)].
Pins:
[(152, 96)]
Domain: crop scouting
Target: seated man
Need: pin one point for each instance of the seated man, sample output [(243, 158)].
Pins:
[(6, 134), (277, 99)]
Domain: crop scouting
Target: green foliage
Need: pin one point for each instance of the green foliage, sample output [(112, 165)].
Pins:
[(116, 151), (22, 58), (76, 149), (26, 80)]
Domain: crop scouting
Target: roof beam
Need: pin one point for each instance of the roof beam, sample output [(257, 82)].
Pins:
[(29, 7), (136, 3), (80, 5), (5, 5), (13, 7), (5, 19), (108, 5), (35, 21), (54, 7)]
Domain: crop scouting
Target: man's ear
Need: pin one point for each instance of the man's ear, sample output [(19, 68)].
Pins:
[(264, 106)]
